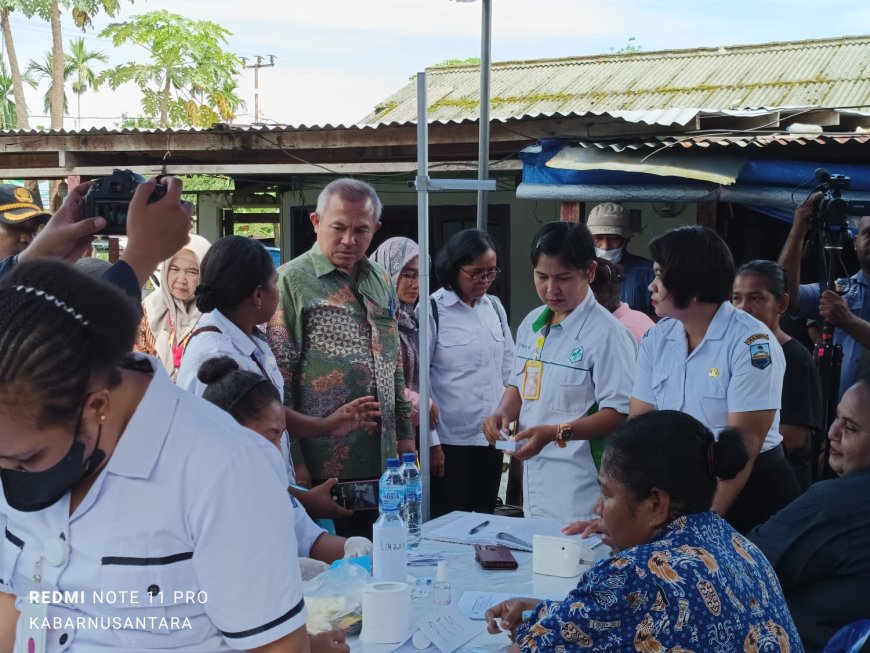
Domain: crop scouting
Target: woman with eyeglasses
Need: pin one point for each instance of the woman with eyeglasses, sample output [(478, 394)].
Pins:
[(570, 382), (470, 354)]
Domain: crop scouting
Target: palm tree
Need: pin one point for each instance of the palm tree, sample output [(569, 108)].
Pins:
[(8, 114), (6, 7), (37, 71), (84, 77)]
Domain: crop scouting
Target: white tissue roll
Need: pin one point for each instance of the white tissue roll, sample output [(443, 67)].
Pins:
[(386, 613)]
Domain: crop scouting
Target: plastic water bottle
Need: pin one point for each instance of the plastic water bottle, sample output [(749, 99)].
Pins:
[(389, 537), (413, 512)]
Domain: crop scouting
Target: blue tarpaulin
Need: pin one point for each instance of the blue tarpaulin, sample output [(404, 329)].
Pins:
[(763, 173)]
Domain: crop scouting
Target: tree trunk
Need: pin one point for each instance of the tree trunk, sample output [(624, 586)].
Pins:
[(14, 72), (164, 103), (57, 65)]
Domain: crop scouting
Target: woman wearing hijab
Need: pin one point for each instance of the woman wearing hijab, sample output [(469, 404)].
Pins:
[(170, 311), (400, 257)]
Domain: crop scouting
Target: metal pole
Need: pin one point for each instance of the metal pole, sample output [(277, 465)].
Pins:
[(483, 150), (257, 92), (423, 242)]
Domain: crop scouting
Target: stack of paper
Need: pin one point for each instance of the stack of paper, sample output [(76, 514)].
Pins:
[(514, 533), (424, 559)]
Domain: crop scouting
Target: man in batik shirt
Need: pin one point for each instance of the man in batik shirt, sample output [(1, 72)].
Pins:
[(335, 338)]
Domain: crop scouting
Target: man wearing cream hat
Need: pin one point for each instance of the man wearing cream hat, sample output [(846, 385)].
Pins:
[(610, 227), (21, 215)]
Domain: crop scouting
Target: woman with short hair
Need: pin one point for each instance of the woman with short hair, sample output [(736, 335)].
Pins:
[(680, 577), (718, 364), (571, 379), (470, 353)]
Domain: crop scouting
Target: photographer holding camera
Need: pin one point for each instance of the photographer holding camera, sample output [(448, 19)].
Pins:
[(849, 313)]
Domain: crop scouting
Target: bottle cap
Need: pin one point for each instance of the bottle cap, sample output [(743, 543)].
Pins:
[(441, 574), (409, 458), (392, 463)]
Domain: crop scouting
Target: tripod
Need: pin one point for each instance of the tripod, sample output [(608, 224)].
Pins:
[(827, 355)]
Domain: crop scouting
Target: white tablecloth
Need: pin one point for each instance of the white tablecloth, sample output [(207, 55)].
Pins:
[(466, 574)]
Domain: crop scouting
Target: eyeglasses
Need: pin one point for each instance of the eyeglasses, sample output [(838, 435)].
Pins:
[(410, 275), (485, 276)]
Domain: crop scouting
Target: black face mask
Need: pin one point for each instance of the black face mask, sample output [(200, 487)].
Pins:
[(32, 491)]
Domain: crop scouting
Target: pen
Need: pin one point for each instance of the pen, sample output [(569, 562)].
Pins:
[(478, 527), (596, 545)]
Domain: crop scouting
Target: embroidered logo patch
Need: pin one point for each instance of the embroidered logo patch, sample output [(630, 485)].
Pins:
[(576, 355), (713, 372), (760, 355), (757, 336)]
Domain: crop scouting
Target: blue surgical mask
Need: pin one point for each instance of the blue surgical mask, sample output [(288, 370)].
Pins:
[(612, 255)]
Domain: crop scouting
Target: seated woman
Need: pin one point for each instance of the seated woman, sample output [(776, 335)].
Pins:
[(819, 544), (254, 402), (681, 578)]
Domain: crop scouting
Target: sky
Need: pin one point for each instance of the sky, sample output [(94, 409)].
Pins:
[(336, 59)]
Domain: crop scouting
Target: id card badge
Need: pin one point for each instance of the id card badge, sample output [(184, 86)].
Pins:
[(532, 374), (30, 633)]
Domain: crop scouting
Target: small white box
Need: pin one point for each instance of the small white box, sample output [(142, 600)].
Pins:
[(508, 445), (564, 557)]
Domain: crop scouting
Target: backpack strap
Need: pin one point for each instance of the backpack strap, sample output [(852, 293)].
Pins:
[(196, 332), (497, 312), (434, 313)]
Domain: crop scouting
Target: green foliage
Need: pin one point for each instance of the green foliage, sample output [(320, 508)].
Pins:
[(36, 71), (80, 58), (628, 48), (190, 80), (452, 63), (136, 122), (8, 115)]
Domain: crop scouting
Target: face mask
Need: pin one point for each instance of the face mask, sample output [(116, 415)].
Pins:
[(612, 255), (32, 491)]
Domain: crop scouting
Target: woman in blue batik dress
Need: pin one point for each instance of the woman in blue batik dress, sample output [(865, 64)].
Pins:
[(681, 578)]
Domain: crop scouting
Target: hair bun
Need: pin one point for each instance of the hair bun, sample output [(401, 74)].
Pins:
[(208, 297), (214, 369)]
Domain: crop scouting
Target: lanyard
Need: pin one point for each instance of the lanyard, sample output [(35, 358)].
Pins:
[(177, 349)]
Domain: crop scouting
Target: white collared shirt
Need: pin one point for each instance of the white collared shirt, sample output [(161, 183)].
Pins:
[(233, 342), (588, 359), (190, 501), (738, 367), (470, 353)]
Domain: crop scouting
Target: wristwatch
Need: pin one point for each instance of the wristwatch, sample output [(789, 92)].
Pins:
[(564, 432)]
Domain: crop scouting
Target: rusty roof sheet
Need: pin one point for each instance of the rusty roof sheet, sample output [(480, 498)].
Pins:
[(655, 87)]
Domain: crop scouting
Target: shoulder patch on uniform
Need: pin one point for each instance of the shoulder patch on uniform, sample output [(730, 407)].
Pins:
[(760, 355), (757, 336)]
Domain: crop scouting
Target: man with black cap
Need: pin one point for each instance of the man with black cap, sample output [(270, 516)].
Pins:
[(610, 227), (21, 216)]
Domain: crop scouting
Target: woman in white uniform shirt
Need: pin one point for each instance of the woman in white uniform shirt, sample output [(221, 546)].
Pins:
[(237, 292), (718, 364), (571, 378), (115, 479), (470, 349)]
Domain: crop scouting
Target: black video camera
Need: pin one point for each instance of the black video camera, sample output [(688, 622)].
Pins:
[(833, 211), (110, 197)]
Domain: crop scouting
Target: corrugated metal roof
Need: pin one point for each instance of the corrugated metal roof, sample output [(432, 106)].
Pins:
[(656, 87), (725, 140)]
